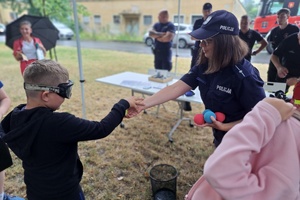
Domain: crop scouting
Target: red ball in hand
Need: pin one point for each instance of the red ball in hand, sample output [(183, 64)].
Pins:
[(220, 116), (199, 119)]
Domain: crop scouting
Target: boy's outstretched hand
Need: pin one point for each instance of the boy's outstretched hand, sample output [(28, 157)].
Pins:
[(135, 103)]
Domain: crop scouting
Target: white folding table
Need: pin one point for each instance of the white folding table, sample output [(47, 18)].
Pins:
[(139, 83)]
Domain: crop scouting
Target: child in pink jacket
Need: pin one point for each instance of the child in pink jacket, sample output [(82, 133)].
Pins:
[(258, 159)]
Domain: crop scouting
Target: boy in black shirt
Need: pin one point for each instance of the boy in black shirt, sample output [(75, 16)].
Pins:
[(286, 59), (251, 36), (277, 35), (47, 141)]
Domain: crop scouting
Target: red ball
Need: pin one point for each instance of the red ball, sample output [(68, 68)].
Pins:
[(199, 119), (220, 116)]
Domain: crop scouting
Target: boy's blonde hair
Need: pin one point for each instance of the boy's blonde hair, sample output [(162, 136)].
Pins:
[(45, 72)]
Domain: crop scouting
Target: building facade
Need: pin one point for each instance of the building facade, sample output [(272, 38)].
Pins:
[(7, 15), (135, 17)]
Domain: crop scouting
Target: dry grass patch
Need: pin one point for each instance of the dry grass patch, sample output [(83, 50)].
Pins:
[(117, 167)]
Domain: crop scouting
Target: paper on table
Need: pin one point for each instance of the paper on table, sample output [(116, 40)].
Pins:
[(135, 83), (141, 84)]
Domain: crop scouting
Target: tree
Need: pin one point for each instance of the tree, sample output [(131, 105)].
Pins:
[(251, 8), (60, 10)]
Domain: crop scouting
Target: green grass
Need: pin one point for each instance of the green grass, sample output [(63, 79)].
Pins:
[(128, 152), (105, 36)]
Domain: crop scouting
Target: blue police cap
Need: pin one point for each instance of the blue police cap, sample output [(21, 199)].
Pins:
[(218, 22)]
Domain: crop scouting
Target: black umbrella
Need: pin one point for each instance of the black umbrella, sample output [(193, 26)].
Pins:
[(42, 28)]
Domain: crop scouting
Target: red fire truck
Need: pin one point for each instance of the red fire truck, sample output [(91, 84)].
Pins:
[(266, 18)]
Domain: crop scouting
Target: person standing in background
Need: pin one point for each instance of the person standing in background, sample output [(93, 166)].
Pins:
[(25, 48), (277, 35), (251, 36), (206, 10), (163, 31), (286, 60)]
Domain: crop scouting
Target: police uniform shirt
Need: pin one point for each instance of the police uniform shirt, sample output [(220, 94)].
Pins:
[(250, 37), (277, 34), (233, 91), (289, 53), (198, 23), (167, 27)]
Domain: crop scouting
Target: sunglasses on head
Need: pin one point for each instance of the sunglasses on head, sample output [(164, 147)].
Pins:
[(64, 89)]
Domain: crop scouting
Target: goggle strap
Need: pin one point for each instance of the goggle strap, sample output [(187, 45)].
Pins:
[(28, 86)]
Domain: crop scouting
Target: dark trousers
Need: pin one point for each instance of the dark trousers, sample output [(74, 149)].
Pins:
[(195, 51), (163, 59), (273, 77)]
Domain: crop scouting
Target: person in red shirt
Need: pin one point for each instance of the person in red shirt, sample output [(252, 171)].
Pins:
[(24, 48)]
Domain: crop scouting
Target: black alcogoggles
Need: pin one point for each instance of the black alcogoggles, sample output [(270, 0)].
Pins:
[(64, 89)]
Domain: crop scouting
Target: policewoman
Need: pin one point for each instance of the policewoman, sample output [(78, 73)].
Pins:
[(227, 82)]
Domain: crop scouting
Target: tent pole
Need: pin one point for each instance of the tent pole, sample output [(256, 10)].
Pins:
[(177, 35), (79, 58)]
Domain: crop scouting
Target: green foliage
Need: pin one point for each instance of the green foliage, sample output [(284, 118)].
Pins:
[(251, 9), (61, 10), (104, 36)]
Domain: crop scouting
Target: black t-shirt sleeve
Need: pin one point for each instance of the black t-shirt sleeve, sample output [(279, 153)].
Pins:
[(294, 29), (257, 36), (69, 128), (284, 46)]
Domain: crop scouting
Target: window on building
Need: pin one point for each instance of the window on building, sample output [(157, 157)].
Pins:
[(13, 15), (97, 19), (147, 19), (86, 19), (195, 17), (181, 19), (116, 19)]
